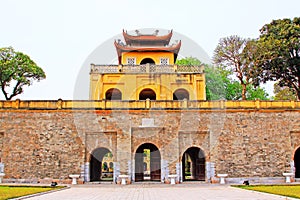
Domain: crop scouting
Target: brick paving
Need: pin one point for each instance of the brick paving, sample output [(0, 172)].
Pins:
[(156, 192)]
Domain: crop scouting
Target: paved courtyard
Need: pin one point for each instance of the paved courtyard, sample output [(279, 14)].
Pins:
[(156, 191)]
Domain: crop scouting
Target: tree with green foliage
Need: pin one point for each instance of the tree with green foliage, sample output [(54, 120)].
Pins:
[(219, 85), (278, 55), (216, 82), (16, 71), (256, 93), (214, 76), (234, 54), (188, 61), (284, 93)]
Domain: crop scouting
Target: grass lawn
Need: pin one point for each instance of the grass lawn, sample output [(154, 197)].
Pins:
[(285, 190), (8, 192)]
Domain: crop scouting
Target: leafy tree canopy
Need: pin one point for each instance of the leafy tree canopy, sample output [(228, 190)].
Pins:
[(254, 93), (278, 53), (284, 93), (188, 61), (16, 71), (235, 54), (220, 84), (216, 83)]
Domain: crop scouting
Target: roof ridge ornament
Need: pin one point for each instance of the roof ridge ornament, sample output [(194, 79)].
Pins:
[(137, 32)]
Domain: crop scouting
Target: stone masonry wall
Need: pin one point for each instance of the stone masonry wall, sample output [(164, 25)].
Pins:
[(40, 144), (55, 143)]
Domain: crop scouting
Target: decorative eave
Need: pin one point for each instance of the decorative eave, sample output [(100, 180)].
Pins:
[(164, 39), (125, 48)]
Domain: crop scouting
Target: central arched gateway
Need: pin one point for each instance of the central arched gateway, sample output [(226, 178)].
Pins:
[(297, 163), (193, 164), (101, 165), (147, 163)]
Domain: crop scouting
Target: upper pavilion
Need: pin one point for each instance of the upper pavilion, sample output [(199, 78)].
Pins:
[(147, 48)]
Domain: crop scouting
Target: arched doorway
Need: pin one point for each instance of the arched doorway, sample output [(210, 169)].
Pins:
[(193, 164), (113, 94), (147, 153), (101, 167), (147, 61), (147, 94), (297, 163), (181, 94)]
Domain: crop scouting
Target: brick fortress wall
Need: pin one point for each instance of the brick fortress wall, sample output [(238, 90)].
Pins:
[(53, 143)]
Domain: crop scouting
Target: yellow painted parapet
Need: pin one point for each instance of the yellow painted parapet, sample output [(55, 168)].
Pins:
[(146, 104)]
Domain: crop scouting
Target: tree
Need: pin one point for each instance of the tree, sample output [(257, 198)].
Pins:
[(278, 58), (16, 71), (188, 61), (234, 53), (219, 84), (215, 77), (216, 83), (233, 90), (254, 93), (284, 93)]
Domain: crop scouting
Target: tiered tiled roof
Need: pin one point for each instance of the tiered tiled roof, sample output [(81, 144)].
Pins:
[(146, 42)]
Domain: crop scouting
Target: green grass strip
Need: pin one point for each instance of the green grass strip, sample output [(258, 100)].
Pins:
[(284, 190), (8, 192)]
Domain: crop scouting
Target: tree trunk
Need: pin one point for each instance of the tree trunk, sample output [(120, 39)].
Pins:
[(244, 91)]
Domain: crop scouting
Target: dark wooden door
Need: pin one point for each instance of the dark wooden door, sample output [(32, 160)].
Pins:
[(139, 167), (155, 165), (95, 169), (200, 169), (297, 163)]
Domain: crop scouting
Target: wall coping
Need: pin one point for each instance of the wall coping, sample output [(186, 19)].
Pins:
[(145, 105)]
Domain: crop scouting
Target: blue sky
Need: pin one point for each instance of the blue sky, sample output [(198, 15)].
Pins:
[(59, 35)]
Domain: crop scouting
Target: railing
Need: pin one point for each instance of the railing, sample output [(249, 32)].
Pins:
[(102, 69), (147, 104)]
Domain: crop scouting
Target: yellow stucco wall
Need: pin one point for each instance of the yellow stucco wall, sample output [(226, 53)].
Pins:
[(163, 82), (139, 56), (164, 85)]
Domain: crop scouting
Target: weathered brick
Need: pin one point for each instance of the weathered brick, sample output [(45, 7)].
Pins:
[(39, 144)]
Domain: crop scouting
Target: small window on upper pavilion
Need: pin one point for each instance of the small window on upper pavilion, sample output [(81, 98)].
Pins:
[(131, 61), (164, 61)]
